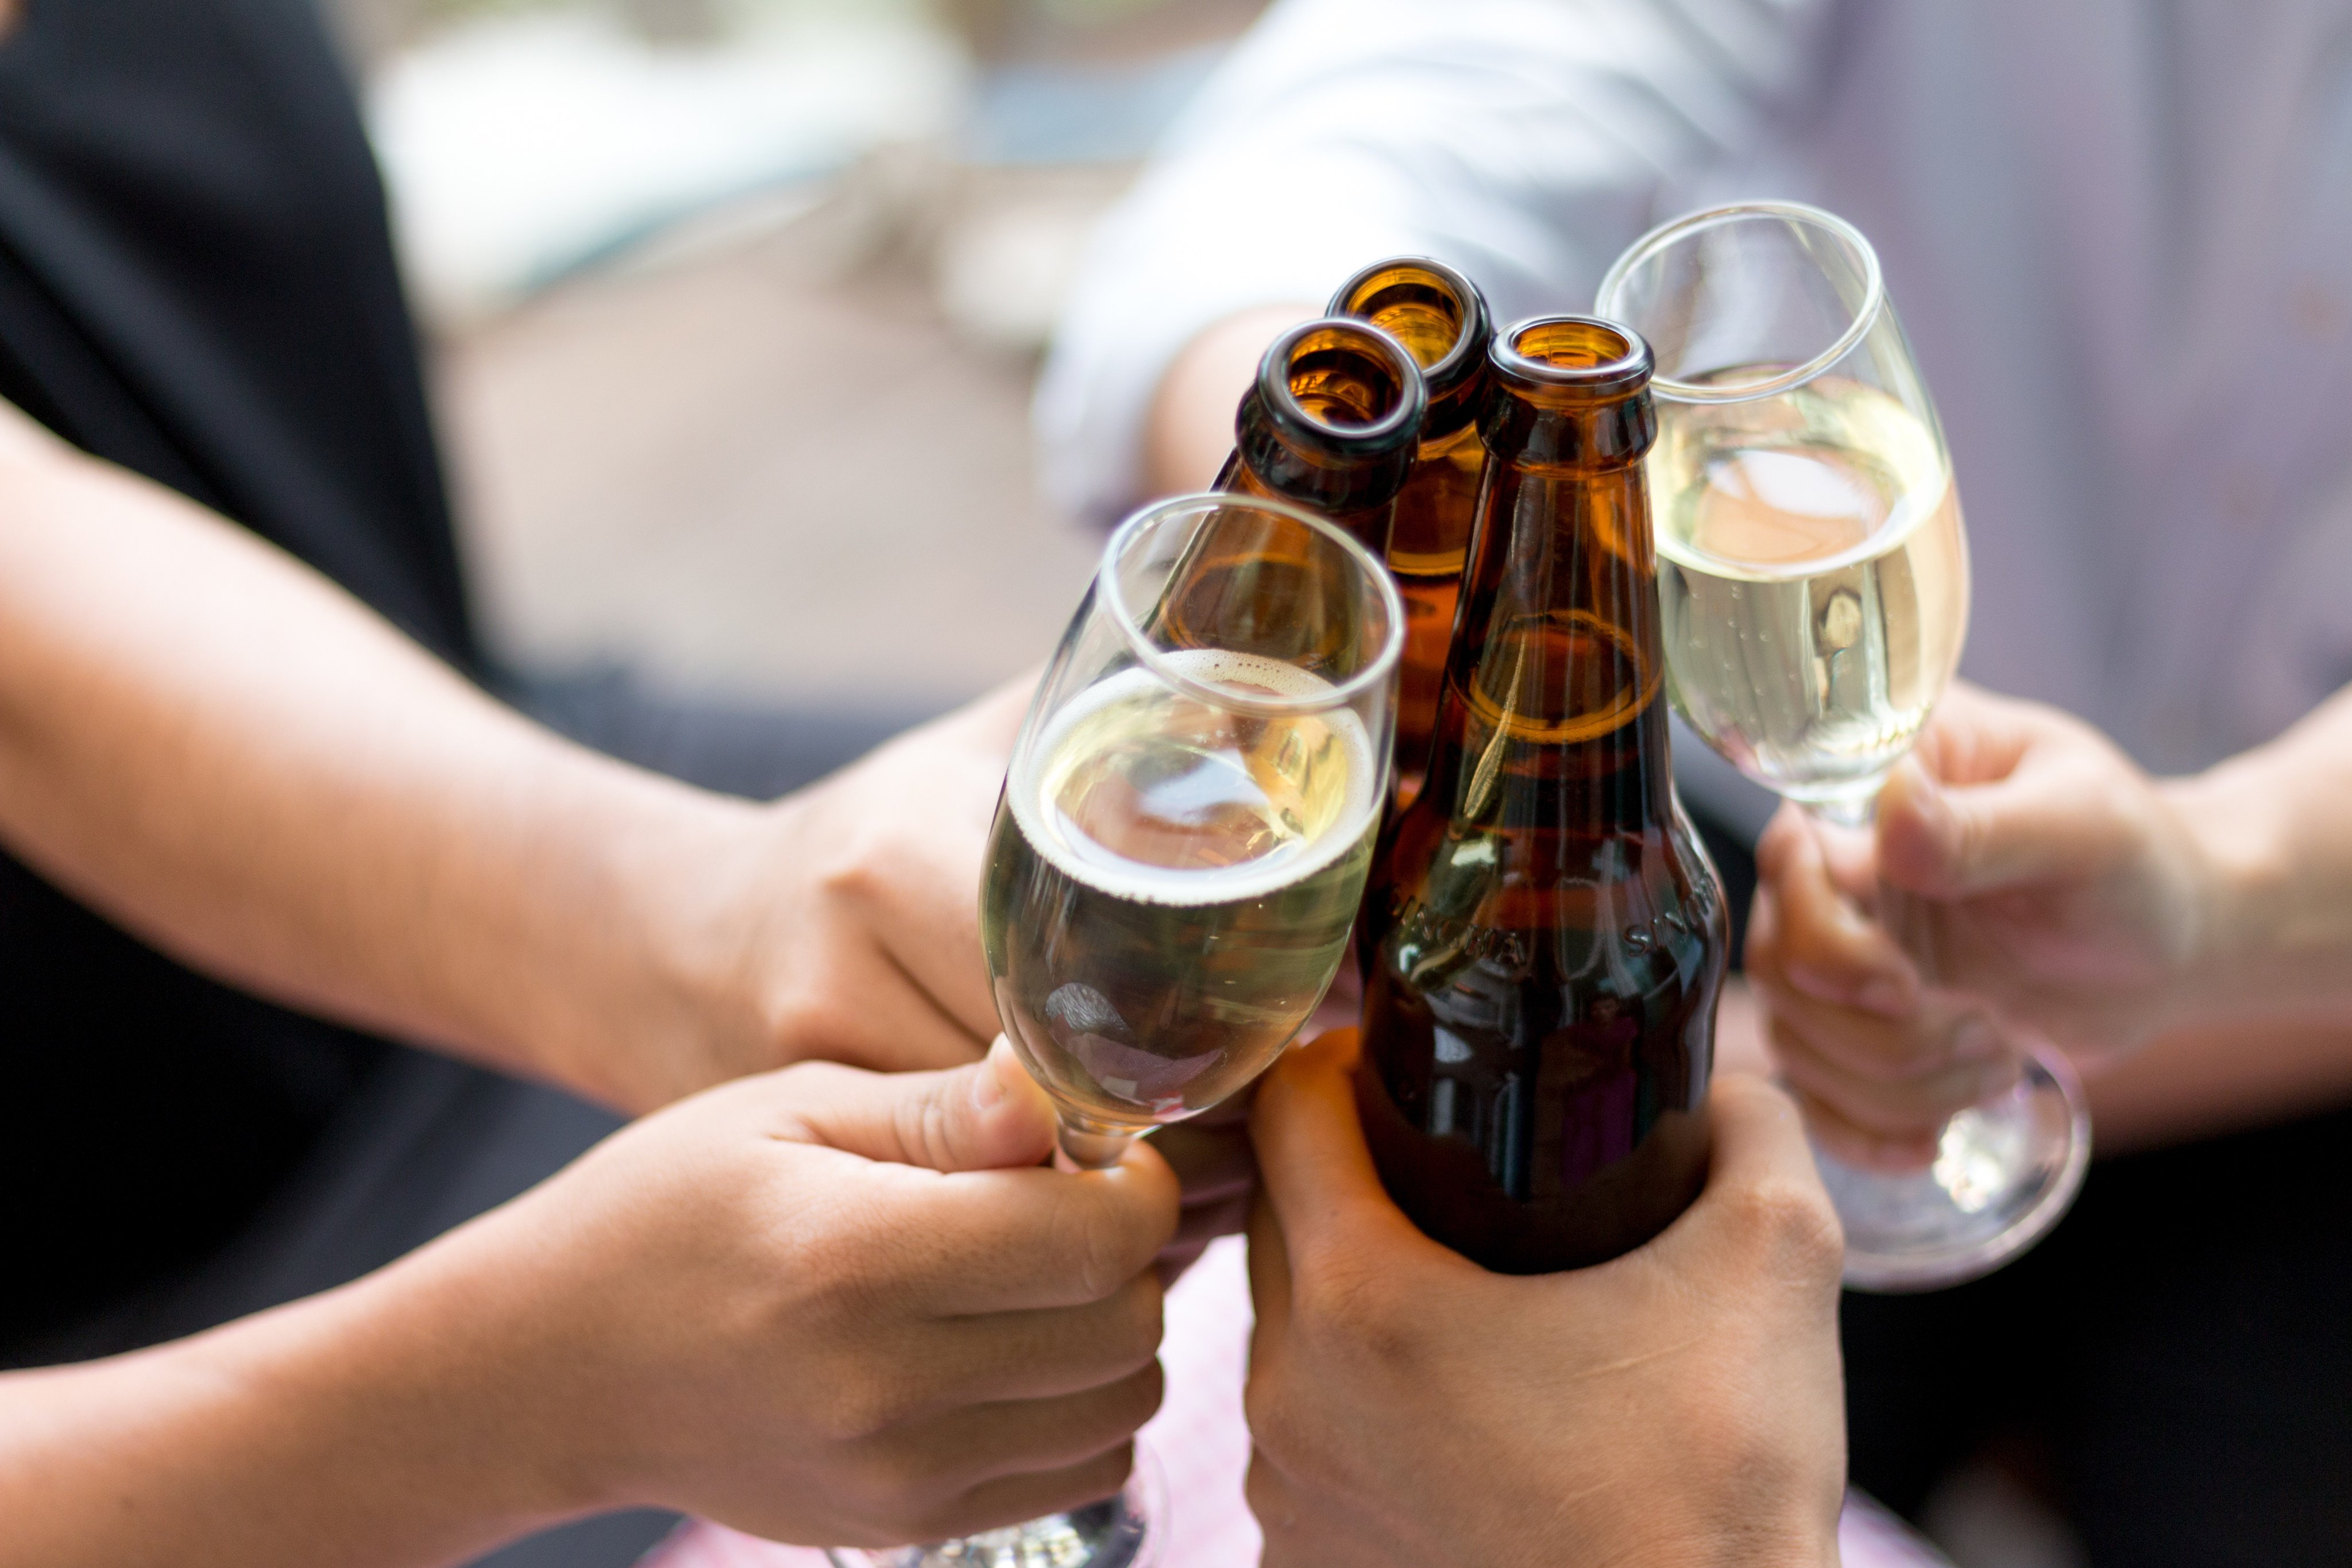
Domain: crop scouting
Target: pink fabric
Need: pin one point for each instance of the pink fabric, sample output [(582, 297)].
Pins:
[(1203, 1450)]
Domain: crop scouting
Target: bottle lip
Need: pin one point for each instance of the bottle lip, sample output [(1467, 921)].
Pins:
[(1675, 231), (1398, 429), (1628, 371), (1382, 668), (1457, 365)]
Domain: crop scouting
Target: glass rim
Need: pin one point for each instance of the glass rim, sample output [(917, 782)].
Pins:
[(1675, 230), (1635, 366), (1463, 356), (1342, 693)]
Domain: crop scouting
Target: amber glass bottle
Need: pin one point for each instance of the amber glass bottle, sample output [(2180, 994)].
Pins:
[(1441, 319), (1547, 938), (1332, 422)]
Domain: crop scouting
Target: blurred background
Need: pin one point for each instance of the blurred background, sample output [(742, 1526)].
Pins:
[(733, 310), (734, 306)]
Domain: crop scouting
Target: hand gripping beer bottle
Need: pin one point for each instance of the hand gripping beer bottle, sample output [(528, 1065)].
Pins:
[(1332, 422), (1548, 937), (1441, 319)]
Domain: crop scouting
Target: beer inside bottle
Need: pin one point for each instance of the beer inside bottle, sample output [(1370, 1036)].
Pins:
[(1546, 936), (1441, 319)]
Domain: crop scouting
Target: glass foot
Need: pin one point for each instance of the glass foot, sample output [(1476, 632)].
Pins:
[(2005, 1171), (1119, 1531)]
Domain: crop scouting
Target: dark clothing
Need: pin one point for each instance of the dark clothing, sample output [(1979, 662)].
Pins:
[(2177, 1355), (197, 282)]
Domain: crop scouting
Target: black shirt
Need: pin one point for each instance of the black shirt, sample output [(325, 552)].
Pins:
[(197, 282)]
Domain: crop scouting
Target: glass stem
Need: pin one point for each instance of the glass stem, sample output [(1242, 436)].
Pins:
[(1083, 1145), (1845, 811)]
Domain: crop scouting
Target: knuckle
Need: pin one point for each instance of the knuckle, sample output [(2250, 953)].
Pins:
[(1792, 1225), (1105, 1247), (1354, 1299), (922, 1124), (811, 1018), (897, 1490)]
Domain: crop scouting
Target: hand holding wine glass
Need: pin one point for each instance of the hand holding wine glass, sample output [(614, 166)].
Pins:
[(2049, 889)]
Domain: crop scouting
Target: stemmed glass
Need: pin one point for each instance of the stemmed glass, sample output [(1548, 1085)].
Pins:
[(1178, 854), (1813, 578)]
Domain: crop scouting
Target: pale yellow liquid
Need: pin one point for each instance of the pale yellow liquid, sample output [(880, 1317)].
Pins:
[(1813, 578), (1170, 889)]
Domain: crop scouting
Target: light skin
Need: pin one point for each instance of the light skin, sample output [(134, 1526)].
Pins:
[(2190, 939), (1189, 432), (230, 756), (1675, 1407), (822, 1305), (737, 1307)]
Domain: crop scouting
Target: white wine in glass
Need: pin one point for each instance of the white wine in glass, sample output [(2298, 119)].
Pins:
[(1814, 577), (1813, 585), (1170, 886)]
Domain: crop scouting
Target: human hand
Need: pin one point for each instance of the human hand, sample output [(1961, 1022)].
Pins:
[(823, 1306), (1677, 1405), (2024, 879)]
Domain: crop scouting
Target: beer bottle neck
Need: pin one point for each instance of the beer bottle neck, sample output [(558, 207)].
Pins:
[(1555, 707), (1440, 318), (1332, 422)]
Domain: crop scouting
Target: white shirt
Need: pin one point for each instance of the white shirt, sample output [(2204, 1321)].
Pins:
[(2118, 233)]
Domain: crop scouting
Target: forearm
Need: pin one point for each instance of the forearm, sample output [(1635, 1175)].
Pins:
[(382, 1425), (2276, 839), (1190, 431), (233, 758), (2262, 1019)]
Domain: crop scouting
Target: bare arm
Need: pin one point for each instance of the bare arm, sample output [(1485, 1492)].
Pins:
[(765, 1305), (231, 756), (1190, 430)]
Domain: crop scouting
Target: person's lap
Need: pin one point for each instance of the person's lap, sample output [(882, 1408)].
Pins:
[(2171, 1363)]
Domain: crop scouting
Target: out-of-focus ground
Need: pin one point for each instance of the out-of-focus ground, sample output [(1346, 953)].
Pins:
[(737, 393)]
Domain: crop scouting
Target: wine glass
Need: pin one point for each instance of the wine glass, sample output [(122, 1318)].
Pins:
[(1814, 583), (1178, 854)]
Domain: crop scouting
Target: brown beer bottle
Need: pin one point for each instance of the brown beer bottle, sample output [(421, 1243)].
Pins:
[(1546, 935), (1330, 425), (1331, 422), (1441, 319)]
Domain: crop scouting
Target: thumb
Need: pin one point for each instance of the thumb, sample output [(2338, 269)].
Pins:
[(1317, 1170), (988, 1116), (1956, 841), (1764, 1204)]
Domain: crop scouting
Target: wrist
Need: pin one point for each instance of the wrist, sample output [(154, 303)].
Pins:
[(462, 1362), (667, 1006), (2232, 818)]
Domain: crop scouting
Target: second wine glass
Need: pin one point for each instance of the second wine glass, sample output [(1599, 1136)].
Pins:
[(1813, 580), (1183, 838)]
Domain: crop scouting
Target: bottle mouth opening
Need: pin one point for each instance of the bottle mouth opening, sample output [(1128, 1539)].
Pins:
[(1378, 666), (1816, 229), (1337, 381), (1410, 287), (1582, 357)]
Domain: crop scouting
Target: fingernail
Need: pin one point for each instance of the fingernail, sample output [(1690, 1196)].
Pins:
[(987, 1088), (1975, 1040)]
